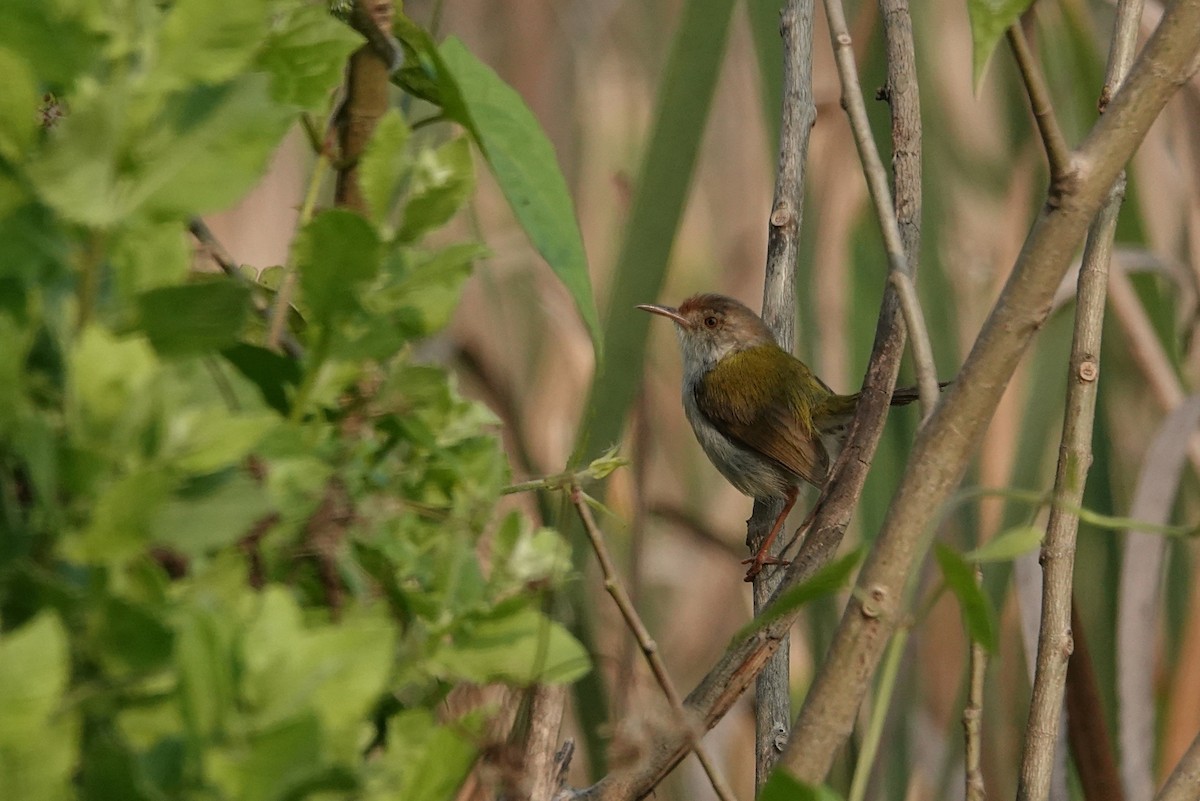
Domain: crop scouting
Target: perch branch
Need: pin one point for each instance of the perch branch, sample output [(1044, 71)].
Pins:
[(973, 718), (772, 690)]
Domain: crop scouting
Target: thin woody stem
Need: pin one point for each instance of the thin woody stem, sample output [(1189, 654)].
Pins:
[(649, 648)]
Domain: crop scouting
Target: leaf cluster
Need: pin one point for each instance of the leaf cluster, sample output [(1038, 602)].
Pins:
[(225, 572)]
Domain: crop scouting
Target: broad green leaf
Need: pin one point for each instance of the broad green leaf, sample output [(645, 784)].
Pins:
[(38, 731), (194, 318), (207, 439), (212, 512), (18, 106), (205, 655), (1007, 545), (122, 519), (978, 615), (208, 41), (989, 20), (526, 168), (150, 256), (424, 760), (274, 375), (199, 152), (783, 786), (428, 286), (113, 390), (384, 164), (336, 671), (273, 764), (335, 253), (826, 581), (52, 36), (130, 638), (442, 181), (522, 647), (522, 554), (305, 54)]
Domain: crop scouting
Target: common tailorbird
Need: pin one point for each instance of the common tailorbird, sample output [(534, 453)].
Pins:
[(765, 420)]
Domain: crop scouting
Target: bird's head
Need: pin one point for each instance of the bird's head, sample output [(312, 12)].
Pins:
[(710, 327)]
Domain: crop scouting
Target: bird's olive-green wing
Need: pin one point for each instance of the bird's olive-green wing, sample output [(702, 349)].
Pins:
[(762, 398)]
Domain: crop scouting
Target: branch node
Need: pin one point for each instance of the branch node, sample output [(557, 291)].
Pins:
[(1089, 370), (782, 215)]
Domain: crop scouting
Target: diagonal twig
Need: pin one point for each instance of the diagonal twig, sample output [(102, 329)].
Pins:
[(1058, 153), (881, 196), (616, 589)]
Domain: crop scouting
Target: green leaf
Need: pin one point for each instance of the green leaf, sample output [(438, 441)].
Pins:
[(1007, 545), (522, 554), (273, 374), (305, 54), (52, 36), (989, 20), (442, 181), (38, 734), (150, 256), (18, 106), (978, 615), (207, 439), (212, 512), (384, 164), (522, 647), (199, 152), (429, 286), (424, 760), (274, 764), (206, 663), (783, 786), (208, 41), (121, 522), (526, 168), (335, 252), (826, 581), (131, 638), (336, 671), (194, 318)]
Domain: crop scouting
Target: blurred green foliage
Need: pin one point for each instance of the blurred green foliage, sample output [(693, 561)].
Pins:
[(226, 573)]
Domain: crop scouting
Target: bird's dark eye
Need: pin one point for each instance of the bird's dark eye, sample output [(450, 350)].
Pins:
[(710, 321)]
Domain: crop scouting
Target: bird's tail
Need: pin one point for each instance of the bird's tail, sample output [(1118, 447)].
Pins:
[(906, 395)]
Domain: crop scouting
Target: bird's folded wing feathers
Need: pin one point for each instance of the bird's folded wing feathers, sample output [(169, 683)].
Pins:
[(732, 398)]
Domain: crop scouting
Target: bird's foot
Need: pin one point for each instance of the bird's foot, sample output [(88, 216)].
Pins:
[(757, 563)]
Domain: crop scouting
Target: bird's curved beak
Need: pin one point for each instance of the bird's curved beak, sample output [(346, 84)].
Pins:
[(668, 312)]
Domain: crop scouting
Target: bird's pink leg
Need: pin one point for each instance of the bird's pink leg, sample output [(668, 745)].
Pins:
[(761, 558)]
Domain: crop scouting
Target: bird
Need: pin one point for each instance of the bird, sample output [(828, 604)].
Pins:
[(765, 420)]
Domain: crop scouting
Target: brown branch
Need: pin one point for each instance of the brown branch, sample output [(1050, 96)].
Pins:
[(612, 583), (877, 184), (1058, 153), (973, 718), (951, 435), (217, 252), (772, 690), (1055, 641)]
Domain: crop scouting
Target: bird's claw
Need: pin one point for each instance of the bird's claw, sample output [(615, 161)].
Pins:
[(757, 563)]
